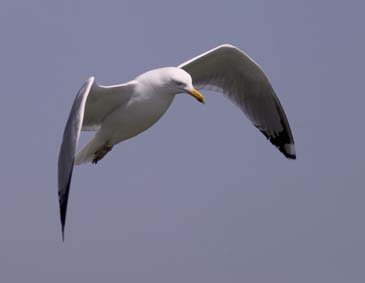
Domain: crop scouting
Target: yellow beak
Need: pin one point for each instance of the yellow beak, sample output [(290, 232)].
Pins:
[(197, 95)]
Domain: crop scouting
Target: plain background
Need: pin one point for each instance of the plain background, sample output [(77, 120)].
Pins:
[(201, 196)]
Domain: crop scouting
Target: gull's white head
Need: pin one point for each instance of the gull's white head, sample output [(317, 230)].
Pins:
[(171, 80)]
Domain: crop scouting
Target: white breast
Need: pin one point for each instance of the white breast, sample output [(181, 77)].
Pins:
[(144, 109)]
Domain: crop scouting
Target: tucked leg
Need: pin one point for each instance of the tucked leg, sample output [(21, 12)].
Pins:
[(98, 155)]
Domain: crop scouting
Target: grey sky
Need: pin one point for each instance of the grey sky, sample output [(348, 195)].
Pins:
[(201, 196)]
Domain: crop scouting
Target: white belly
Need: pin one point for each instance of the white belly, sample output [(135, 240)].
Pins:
[(133, 118)]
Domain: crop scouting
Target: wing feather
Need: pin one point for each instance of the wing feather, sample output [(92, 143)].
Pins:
[(102, 101), (91, 105), (229, 70), (70, 139)]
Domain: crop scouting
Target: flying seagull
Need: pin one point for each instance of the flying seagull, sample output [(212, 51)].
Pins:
[(120, 112)]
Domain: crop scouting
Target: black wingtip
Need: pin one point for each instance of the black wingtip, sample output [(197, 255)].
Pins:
[(284, 142), (63, 233), (289, 155), (288, 149), (63, 208), (63, 200)]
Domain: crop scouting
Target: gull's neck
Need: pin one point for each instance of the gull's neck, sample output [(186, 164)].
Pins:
[(146, 91)]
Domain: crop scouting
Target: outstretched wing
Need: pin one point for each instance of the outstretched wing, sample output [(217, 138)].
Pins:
[(92, 104), (70, 139), (229, 70)]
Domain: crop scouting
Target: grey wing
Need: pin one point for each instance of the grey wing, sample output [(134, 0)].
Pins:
[(92, 104), (70, 139), (229, 70), (102, 101)]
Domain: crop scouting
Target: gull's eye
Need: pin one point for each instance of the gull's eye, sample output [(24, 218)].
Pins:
[(179, 83)]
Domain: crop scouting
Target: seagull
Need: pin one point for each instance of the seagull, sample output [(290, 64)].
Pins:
[(120, 112)]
